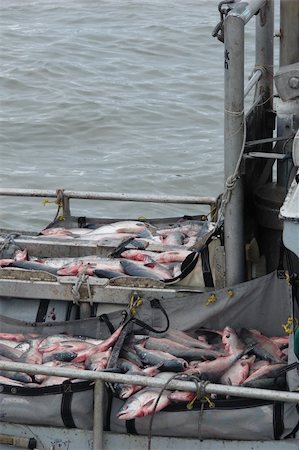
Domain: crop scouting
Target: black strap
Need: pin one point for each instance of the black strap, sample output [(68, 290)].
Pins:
[(104, 318), (66, 405), (81, 222), (128, 328), (278, 422), (130, 426), (121, 248), (189, 264), (155, 304), (69, 310), (41, 314), (280, 267), (206, 268), (107, 417), (293, 433)]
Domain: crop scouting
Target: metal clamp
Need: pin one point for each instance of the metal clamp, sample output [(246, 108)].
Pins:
[(218, 31)]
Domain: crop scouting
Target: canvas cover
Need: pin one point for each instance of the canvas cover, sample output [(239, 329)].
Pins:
[(67, 405), (34, 310), (264, 304)]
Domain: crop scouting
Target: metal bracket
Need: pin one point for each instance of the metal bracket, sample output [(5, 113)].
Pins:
[(218, 31)]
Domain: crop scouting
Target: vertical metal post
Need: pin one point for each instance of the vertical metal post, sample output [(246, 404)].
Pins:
[(289, 32), (289, 54), (98, 415), (233, 142), (264, 53)]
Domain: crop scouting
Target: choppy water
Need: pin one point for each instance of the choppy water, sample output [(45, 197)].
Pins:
[(115, 96)]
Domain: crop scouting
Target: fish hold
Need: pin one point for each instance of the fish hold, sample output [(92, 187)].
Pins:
[(101, 347), (213, 337), (29, 265), (238, 372), (267, 383), (97, 361), (137, 270), (10, 353), (109, 274), (181, 396), (130, 355), (16, 376), (232, 343), (9, 249), (164, 360), (183, 338), (17, 337), (58, 356), (50, 343), (264, 348), (127, 366), (213, 370), (9, 381), (173, 238), (125, 391), (269, 371), (143, 403), (139, 255), (125, 226), (179, 350)]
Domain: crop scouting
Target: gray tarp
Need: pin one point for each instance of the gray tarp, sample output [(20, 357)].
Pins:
[(264, 304)]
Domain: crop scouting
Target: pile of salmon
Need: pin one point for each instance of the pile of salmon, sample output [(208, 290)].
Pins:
[(133, 260), (243, 357)]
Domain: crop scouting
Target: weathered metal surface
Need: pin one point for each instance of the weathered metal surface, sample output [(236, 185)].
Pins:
[(100, 290), (49, 438), (246, 9), (234, 139)]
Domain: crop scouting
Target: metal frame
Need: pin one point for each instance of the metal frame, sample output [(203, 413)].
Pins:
[(234, 115), (63, 197)]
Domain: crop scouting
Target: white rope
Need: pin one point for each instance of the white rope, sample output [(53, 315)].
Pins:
[(231, 181), (82, 278)]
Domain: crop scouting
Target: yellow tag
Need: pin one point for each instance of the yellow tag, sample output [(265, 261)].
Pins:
[(211, 299)]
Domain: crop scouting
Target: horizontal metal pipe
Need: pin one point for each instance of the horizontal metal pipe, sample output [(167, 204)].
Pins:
[(258, 101), (264, 394), (109, 196), (246, 9), (253, 81)]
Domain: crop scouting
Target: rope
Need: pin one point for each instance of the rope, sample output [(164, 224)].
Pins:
[(200, 394), (82, 278), (231, 181)]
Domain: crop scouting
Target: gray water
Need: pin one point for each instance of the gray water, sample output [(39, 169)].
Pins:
[(110, 96)]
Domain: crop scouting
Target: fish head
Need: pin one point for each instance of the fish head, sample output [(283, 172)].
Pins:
[(249, 359), (71, 269), (21, 255), (132, 408), (231, 340)]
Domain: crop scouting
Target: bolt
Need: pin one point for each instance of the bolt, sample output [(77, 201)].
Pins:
[(294, 82)]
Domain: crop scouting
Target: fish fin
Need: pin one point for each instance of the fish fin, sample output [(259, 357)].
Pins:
[(121, 248)]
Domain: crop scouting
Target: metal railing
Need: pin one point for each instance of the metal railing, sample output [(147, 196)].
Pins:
[(63, 197), (109, 377)]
